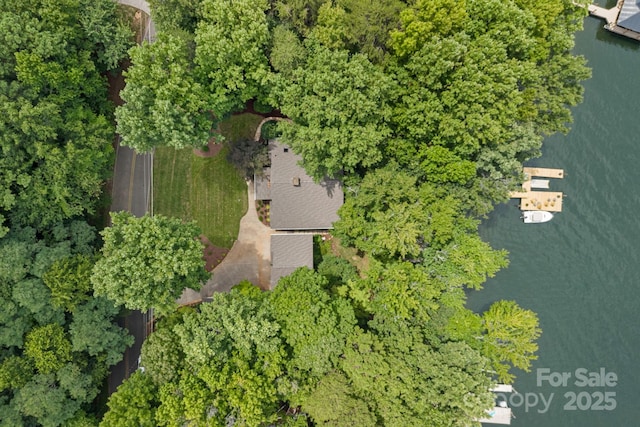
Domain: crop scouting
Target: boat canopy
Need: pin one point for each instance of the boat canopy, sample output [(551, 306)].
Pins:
[(539, 183)]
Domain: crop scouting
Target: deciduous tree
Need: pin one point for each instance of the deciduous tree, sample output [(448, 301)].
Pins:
[(147, 262), (339, 106), (314, 325), (334, 402), (69, 280), (231, 38), (48, 348), (133, 404), (510, 337), (165, 104), (92, 331)]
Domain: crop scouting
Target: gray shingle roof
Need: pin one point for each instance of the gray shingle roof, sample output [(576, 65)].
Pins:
[(288, 253), (297, 202), (629, 16)]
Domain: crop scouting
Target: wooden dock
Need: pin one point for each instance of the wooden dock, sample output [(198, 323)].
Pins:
[(609, 15), (498, 415), (550, 201)]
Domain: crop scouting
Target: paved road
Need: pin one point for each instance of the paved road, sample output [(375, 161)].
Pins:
[(131, 182), (132, 193)]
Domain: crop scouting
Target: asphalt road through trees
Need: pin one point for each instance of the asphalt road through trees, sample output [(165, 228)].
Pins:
[(132, 193)]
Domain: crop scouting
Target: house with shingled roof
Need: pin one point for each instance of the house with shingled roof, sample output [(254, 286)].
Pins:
[(299, 207)]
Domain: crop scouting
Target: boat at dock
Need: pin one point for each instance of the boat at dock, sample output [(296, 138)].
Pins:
[(538, 206), (536, 217)]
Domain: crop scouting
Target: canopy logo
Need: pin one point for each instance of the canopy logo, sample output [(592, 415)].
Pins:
[(594, 391)]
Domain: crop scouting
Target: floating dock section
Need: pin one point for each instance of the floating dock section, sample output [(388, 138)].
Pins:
[(550, 201), (500, 414)]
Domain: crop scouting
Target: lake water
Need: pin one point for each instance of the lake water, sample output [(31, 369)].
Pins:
[(581, 271)]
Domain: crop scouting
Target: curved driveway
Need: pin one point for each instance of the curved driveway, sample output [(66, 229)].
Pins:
[(249, 258)]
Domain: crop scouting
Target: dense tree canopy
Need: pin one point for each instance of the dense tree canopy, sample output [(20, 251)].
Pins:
[(55, 134), (164, 103), (208, 63), (245, 357), (473, 79), (147, 262), (426, 109), (339, 109), (457, 93), (230, 41), (54, 349), (509, 337)]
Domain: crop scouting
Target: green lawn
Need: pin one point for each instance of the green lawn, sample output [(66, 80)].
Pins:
[(241, 126), (207, 190)]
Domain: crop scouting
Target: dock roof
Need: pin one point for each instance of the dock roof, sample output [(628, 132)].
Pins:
[(629, 17)]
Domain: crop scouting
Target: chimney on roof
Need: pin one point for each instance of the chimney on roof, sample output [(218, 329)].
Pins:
[(296, 181)]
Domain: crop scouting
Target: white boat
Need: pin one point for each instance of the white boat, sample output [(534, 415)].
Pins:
[(536, 217)]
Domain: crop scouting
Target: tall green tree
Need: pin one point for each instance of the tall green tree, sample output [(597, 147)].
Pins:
[(165, 104), (509, 338), (314, 325), (147, 262), (54, 351), (474, 82), (334, 402), (234, 346), (133, 404), (287, 51), (107, 30), (55, 130), (300, 14), (409, 381), (45, 401), (48, 348), (171, 15), (358, 25), (92, 330), (69, 280), (339, 106), (162, 356), (231, 38)]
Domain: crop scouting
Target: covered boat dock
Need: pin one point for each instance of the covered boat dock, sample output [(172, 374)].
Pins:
[(623, 18)]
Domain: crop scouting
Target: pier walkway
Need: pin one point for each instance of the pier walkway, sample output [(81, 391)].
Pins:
[(609, 15)]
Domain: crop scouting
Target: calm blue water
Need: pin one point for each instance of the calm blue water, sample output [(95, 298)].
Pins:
[(581, 271)]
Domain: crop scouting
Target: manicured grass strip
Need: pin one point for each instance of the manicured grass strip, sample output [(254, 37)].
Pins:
[(218, 198), (172, 182), (207, 190)]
